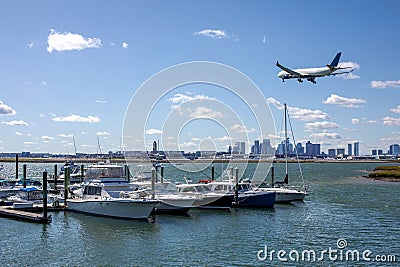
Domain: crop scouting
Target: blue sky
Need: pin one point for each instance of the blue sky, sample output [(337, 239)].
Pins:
[(71, 69)]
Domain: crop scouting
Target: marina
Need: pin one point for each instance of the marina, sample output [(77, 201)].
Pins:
[(338, 196)]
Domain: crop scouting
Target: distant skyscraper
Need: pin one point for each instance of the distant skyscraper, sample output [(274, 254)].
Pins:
[(380, 152), (309, 148), (242, 148), (374, 152), (229, 149), (316, 150), (356, 149), (340, 151), (349, 149), (331, 152), (256, 147), (154, 147), (300, 149), (394, 149)]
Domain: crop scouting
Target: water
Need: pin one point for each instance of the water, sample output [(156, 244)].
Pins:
[(341, 204)]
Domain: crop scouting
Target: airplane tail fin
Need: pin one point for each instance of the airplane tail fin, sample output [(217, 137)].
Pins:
[(335, 61)]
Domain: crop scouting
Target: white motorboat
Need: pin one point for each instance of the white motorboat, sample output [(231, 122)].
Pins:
[(110, 195), (168, 202)]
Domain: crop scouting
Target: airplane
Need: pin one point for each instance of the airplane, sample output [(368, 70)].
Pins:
[(311, 73)]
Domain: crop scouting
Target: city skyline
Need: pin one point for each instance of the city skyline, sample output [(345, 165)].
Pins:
[(68, 74)]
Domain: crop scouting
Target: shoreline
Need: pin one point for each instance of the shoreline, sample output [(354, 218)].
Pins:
[(183, 161)]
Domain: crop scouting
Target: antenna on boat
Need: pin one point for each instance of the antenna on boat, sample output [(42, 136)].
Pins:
[(73, 139), (98, 143), (286, 181)]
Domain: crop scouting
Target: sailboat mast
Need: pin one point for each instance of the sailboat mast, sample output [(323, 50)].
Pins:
[(286, 181)]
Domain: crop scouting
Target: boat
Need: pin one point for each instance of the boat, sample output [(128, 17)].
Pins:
[(107, 193), (206, 198), (284, 193), (26, 197), (246, 196), (12, 187), (169, 202)]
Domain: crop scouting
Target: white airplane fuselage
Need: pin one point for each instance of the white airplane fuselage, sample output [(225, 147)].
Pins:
[(308, 72)]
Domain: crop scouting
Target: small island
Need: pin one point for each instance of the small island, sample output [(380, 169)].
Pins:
[(386, 173)]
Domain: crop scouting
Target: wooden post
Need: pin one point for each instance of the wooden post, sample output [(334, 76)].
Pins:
[(153, 182), (24, 176), (45, 194), (66, 182), (237, 186), (55, 177), (82, 172), (162, 173), (16, 166), (212, 172), (272, 176)]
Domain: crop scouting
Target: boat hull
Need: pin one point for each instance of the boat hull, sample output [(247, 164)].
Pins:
[(124, 208), (217, 202), (286, 195), (256, 200)]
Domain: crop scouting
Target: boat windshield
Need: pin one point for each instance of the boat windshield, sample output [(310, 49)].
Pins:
[(106, 171)]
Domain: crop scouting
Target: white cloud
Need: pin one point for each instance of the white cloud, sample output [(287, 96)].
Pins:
[(66, 135), (103, 133), (395, 110), (69, 41), (343, 101), (264, 39), (300, 113), (216, 34), (43, 83), (45, 137), (223, 138), (30, 143), (351, 75), (84, 133), (181, 98), (241, 129), (18, 133), (384, 84), (6, 110), (363, 121), (188, 144), (153, 131), (312, 126), (30, 45), (124, 45), (334, 136), (77, 118), (42, 115), (15, 123), (101, 101), (204, 112), (389, 121)]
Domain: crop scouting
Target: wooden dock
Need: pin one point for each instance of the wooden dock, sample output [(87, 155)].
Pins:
[(9, 212)]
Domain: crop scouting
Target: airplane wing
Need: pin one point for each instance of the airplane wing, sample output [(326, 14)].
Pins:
[(338, 73), (292, 72)]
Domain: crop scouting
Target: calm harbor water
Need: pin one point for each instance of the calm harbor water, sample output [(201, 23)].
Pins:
[(341, 205)]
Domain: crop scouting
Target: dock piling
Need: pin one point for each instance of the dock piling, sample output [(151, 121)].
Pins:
[(162, 173), (153, 182), (66, 182), (82, 172), (272, 176), (45, 194), (212, 172), (24, 176), (236, 186), (16, 166), (55, 177)]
